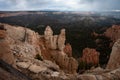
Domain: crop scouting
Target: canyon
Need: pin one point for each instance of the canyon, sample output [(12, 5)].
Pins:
[(50, 56)]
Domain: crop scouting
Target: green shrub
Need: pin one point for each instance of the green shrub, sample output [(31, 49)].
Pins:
[(38, 57)]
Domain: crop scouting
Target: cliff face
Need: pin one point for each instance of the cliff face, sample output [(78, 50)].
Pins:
[(21, 46), (5, 52), (113, 33), (57, 51), (114, 61), (25, 43)]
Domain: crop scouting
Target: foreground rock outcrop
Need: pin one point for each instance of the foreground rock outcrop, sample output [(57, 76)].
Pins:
[(7, 72), (5, 52), (100, 74), (24, 43), (114, 61), (46, 57)]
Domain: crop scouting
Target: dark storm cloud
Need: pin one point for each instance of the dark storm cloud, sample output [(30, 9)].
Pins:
[(73, 5), (102, 4)]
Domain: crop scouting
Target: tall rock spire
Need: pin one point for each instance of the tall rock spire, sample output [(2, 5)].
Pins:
[(61, 40), (48, 32), (114, 61)]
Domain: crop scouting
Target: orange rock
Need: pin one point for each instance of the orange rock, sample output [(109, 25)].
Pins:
[(90, 56), (68, 49), (67, 64), (2, 34), (113, 33), (5, 52)]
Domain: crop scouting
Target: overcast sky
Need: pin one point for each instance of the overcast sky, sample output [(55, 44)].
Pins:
[(62, 5)]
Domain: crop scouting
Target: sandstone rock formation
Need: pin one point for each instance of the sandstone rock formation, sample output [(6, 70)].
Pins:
[(68, 64), (54, 41), (90, 56), (19, 46), (113, 33), (2, 32), (7, 72), (61, 40), (51, 40), (36, 66), (105, 75), (22, 41), (5, 52), (63, 57), (48, 33), (68, 50), (25, 43), (114, 61)]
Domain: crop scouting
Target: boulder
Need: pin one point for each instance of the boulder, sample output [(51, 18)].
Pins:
[(51, 65), (23, 64), (36, 69), (55, 74)]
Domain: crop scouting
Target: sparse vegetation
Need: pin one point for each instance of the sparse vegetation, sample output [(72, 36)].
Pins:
[(38, 57)]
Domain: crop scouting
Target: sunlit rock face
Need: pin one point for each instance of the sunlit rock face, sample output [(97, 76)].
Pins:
[(5, 52), (114, 61), (61, 40), (51, 40), (113, 33), (18, 42), (48, 33), (90, 56), (22, 41), (55, 41)]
